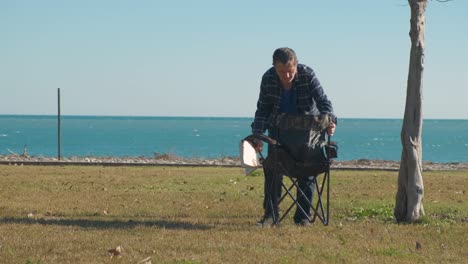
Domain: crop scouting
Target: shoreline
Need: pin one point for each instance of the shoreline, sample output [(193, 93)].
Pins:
[(170, 160)]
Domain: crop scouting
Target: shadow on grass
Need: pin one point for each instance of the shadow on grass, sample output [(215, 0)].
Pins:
[(113, 224)]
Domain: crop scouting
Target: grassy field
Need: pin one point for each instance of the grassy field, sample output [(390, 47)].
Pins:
[(207, 215)]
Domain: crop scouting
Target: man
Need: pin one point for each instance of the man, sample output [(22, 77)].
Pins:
[(292, 88)]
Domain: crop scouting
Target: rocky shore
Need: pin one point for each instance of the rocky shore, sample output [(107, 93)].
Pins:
[(170, 160)]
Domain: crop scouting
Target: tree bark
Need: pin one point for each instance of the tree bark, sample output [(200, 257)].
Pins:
[(409, 197)]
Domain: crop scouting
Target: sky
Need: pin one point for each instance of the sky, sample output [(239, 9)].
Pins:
[(206, 57)]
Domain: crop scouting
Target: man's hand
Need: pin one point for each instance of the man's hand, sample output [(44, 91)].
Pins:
[(331, 129), (258, 145)]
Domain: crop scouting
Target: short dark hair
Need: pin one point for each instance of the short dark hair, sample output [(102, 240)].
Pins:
[(284, 56)]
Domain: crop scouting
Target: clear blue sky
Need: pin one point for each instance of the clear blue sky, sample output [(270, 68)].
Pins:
[(206, 57)]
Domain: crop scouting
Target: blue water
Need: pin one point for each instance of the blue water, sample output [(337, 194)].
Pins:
[(205, 137)]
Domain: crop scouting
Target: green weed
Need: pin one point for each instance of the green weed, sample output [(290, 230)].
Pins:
[(381, 212)]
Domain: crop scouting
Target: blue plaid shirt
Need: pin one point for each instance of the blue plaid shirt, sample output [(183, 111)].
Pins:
[(309, 95)]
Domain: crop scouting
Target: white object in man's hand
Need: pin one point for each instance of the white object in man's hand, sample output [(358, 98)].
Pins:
[(331, 129)]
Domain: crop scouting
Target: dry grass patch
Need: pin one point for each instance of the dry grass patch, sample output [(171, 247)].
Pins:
[(208, 215)]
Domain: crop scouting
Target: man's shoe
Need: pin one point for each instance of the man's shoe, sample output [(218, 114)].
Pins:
[(267, 221), (303, 222)]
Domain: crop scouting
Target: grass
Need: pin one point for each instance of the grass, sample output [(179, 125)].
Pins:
[(207, 215)]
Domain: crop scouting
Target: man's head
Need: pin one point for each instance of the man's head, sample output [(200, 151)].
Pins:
[(285, 63)]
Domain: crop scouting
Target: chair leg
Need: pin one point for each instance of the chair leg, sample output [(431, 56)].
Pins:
[(323, 214), (295, 202), (319, 210), (328, 194), (288, 193)]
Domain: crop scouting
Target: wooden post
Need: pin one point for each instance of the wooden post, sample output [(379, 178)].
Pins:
[(59, 128)]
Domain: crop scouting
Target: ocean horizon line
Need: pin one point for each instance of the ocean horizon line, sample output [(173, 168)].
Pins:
[(202, 117)]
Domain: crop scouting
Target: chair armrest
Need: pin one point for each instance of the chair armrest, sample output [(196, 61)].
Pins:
[(261, 137)]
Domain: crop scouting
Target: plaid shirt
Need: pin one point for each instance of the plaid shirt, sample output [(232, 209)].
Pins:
[(310, 97)]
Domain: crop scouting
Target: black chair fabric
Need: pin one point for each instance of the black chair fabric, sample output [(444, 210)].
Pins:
[(300, 151)]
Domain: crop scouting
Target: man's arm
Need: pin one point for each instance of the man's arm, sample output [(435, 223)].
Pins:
[(323, 104), (264, 109)]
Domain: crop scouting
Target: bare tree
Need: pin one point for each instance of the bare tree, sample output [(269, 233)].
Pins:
[(409, 197)]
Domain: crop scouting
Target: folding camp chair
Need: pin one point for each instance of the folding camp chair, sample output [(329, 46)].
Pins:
[(299, 147)]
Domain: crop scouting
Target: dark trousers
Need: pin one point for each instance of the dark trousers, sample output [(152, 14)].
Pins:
[(306, 185)]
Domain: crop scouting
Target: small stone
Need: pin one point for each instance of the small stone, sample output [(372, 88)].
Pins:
[(418, 246), (115, 252)]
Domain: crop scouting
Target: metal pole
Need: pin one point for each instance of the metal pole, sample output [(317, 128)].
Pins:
[(59, 128)]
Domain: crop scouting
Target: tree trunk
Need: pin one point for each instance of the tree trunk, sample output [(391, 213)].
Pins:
[(409, 197)]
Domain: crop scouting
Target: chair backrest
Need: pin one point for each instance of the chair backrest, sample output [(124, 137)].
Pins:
[(303, 136), (301, 122)]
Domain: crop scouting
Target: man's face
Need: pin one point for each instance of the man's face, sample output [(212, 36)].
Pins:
[(286, 73)]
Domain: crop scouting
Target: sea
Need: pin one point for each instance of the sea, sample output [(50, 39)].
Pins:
[(211, 137)]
